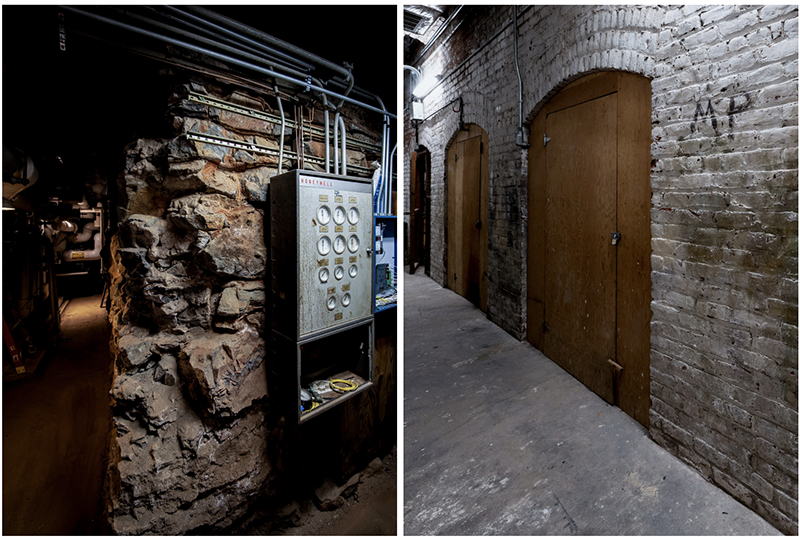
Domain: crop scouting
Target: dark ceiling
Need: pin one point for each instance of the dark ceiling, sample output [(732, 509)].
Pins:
[(83, 104)]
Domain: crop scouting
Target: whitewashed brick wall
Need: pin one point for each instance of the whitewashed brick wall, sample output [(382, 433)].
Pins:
[(724, 209)]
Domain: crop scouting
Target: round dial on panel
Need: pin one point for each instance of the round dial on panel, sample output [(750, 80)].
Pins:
[(323, 275), (352, 243), (324, 215), (338, 244), (352, 215), (346, 299), (338, 272), (338, 215), (353, 271), (331, 303), (324, 245)]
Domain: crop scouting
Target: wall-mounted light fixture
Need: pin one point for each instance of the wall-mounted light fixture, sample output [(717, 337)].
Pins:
[(426, 85)]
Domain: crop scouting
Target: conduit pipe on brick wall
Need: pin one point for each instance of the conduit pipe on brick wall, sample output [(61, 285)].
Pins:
[(225, 58), (521, 142)]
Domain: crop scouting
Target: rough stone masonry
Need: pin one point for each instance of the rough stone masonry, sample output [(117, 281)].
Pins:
[(194, 439), (723, 214)]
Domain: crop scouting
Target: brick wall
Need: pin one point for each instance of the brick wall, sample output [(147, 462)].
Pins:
[(724, 208)]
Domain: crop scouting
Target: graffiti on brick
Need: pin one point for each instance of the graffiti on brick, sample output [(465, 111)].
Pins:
[(700, 115), (737, 104), (708, 115)]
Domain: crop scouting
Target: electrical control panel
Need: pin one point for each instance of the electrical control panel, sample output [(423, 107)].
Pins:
[(322, 252)]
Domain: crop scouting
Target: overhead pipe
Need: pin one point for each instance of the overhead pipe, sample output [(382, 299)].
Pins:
[(521, 142), (224, 58), (232, 33), (275, 42), (210, 42)]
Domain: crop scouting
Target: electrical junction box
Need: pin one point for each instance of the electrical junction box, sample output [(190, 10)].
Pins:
[(321, 254), (417, 111)]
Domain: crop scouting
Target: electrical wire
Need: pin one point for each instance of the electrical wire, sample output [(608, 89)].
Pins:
[(350, 385)]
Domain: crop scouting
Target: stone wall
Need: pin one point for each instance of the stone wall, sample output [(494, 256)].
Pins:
[(195, 438), (724, 208)]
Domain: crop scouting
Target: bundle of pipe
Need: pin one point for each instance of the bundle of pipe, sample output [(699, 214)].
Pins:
[(245, 47)]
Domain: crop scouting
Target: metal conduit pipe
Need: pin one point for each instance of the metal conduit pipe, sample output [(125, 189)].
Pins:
[(391, 180), (283, 127), (386, 130), (292, 61), (336, 142), (521, 142), (275, 42), (344, 147), (224, 58), (210, 42)]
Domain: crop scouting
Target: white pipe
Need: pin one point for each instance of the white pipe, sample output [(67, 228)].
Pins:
[(85, 234), (391, 178), (336, 142), (344, 146), (86, 255), (283, 127)]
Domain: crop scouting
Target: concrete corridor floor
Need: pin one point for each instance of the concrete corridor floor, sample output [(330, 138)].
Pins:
[(501, 440), (55, 428)]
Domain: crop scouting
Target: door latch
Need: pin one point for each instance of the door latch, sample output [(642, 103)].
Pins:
[(615, 238)]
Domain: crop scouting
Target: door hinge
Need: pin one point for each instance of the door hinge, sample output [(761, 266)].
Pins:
[(546, 139), (481, 148), (545, 328)]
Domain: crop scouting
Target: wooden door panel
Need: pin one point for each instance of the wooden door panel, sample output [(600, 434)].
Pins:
[(633, 252), (471, 214), (580, 266), (468, 193)]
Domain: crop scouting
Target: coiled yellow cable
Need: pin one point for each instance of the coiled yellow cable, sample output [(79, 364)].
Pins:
[(349, 385)]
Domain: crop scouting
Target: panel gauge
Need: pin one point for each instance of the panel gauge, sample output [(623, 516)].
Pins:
[(338, 272), (353, 271), (331, 303), (346, 300), (324, 245), (353, 243), (323, 215), (339, 215), (338, 244), (352, 215), (323, 275)]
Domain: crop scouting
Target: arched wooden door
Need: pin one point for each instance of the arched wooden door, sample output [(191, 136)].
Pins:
[(589, 236), (468, 214)]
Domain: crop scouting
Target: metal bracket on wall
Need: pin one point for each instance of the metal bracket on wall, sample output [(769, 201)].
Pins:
[(546, 139)]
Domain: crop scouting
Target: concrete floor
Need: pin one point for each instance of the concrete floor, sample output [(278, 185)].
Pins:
[(55, 427), (501, 440)]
